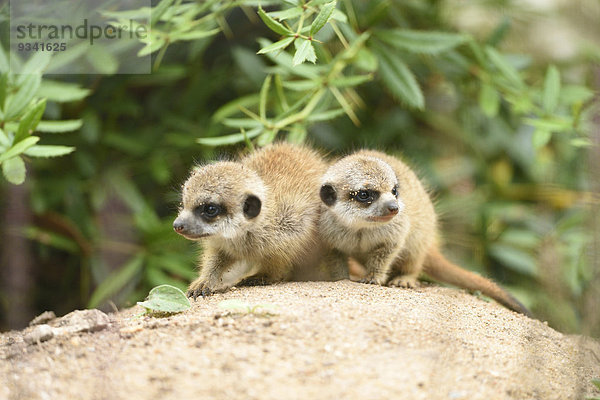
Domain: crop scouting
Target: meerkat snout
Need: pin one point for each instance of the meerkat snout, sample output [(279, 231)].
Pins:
[(179, 225), (392, 207)]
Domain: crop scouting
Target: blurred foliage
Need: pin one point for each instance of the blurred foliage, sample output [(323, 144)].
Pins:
[(501, 138)]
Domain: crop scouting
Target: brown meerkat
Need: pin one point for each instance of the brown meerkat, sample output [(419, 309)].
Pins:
[(378, 212), (257, 217)]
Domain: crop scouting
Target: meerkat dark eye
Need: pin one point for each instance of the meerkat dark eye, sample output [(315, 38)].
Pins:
[(210, 210), (395, 191), (363, 195)]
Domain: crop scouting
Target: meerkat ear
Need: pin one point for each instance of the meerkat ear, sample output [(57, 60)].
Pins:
[(328, 194), (252, 206)]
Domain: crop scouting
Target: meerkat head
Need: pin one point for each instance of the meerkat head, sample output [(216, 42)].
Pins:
[(362, 191), (223, 199)]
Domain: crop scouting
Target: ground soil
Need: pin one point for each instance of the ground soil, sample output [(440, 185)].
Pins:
[(340, 340)]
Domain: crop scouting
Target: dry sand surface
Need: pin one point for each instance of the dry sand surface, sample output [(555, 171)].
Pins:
[(340, 340)]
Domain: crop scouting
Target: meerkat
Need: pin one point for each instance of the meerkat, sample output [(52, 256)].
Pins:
[(256, 217), (378, 212)]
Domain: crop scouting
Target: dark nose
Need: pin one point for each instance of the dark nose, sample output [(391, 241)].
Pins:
[(179, 226), (392, 207)]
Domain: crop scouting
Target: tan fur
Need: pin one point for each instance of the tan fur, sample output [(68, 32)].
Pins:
[(397, 248), (281, 240)]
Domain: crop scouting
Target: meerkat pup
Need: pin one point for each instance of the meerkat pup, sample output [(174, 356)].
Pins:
[(378, 212), (256, 218)]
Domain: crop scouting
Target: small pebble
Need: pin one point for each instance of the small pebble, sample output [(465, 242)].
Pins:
[(40, 333), (43, 318)]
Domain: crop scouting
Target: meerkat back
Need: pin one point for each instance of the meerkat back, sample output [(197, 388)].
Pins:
[(292, 173)]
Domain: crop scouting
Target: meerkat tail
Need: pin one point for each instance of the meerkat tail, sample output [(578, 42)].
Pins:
[(439, 268)]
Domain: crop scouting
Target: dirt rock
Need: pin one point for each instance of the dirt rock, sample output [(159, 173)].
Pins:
[(39, 334), (43, 318), (84, 321), (323, 340)]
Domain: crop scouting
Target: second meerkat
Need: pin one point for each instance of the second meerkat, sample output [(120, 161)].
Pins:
[(378, 212), (257, 217)]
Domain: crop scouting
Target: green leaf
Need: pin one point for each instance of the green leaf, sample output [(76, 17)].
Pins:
[(233, 107), (267, 137), (19, 148), (285, 60), (151, 47), (103, 61), (353, 80), (282, 44), (229, 139), (48, 151), (551, 90), (515, 259), (3, 89), (571, 94), (14, 170), (489, 100), (24, 95), (67, 125), (166, 299), (326, 115), (194, 35), (366, 60), (304, 51), (520, 238), (34, 65), (264, 92), (116, 281), (272, 24), (400, 81), (345, 105), (421, 42), (4, 141), (550, 124), (339, 16), (159, 10), (322, 18), (52, 239), (238, 123), (500, 32), (581, 142), (62, 91), (293, 12), (4, 64), (507, 70), (62, 59), (540, 138), (297, 134), (30, 121), (596, 383), (301, 85)]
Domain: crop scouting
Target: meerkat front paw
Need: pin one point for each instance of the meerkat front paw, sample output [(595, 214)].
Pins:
[(199, 287), (372, 280), (405, 281)]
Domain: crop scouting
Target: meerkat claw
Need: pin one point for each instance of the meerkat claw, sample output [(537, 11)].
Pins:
[(407, 282)]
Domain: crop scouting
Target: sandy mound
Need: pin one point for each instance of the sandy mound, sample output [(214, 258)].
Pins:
[(323, 341)]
